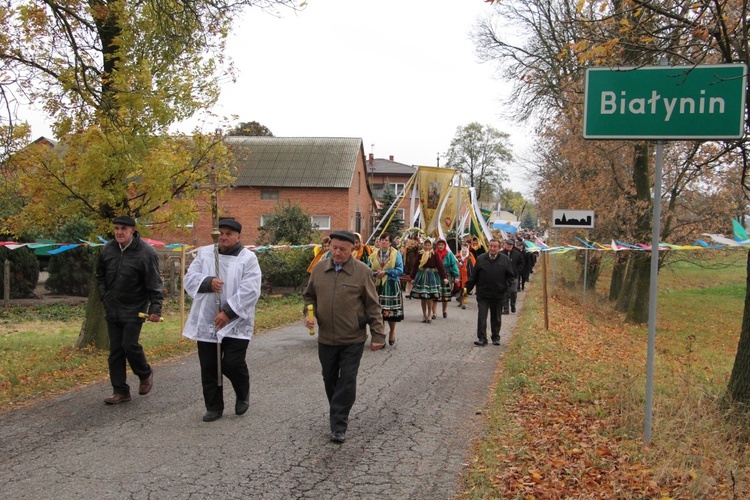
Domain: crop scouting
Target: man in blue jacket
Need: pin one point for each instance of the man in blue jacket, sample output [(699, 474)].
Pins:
[(129, 283), (492, 274)]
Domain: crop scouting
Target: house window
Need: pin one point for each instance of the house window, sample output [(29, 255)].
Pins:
[(401, 214), (269, 194), (264, 219), (397, 187), (321, 221)]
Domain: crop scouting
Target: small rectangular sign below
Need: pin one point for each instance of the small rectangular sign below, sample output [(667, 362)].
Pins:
[(573, 219)]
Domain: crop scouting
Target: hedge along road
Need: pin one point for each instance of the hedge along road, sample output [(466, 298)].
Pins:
[(410, 430)]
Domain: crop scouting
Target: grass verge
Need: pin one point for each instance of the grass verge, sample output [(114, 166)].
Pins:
[(38, 357), (567, 416)]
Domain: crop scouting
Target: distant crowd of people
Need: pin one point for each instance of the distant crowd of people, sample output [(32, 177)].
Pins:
[(436, 271)]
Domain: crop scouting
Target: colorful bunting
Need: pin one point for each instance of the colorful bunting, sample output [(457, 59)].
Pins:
[(739, 239)]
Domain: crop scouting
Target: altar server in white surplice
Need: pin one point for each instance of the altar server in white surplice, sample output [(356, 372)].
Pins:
[(237, 286)]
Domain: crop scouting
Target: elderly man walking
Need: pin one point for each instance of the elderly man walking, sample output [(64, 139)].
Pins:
[(344, 299), (223, 312), (129, 284), (491, 276)]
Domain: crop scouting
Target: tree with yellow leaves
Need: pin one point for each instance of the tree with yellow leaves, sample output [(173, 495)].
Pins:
[(113, 76)]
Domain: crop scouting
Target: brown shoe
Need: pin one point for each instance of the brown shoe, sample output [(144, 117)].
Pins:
[(117, 399), (146, 384)]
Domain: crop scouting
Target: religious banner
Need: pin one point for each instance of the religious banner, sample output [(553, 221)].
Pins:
[(456, 208), (433, 185)]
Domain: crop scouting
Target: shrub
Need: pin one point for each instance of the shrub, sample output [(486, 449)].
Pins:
[(70, 273), (24, 272), (285, 267), (289, 225)]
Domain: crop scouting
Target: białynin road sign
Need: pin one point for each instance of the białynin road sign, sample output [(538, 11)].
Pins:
[(665, 102)]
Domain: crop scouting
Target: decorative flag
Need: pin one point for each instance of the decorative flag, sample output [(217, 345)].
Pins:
[(433, 185)]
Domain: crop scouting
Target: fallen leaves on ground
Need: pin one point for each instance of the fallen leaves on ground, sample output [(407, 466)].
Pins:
[(566, 425)]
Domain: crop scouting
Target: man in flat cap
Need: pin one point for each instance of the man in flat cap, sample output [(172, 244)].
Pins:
[(344, 299), (492, 273), (129, 283), (223, 312)]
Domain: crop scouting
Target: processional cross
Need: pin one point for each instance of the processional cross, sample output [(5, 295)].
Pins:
[(215, 187)]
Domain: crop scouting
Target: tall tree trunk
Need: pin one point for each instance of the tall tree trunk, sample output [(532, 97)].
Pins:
[(619, 267), (633, 299), (94, 328), (623, 296), (637, 308), (738, 389), (594, 268)]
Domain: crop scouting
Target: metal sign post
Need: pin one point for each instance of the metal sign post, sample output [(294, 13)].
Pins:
[(652, 290)]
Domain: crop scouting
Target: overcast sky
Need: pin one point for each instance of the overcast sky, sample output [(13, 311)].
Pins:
[(400, 74)]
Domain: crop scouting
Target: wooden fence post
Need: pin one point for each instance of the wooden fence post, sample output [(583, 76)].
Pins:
[(6, 283)]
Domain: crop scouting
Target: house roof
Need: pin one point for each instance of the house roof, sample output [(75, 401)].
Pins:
[(45, 141), (381, 166), (322, 162)]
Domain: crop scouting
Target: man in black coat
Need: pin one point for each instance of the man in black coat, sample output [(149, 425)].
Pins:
[(129, 283), (491, 276), (516, 258), (523, 278)]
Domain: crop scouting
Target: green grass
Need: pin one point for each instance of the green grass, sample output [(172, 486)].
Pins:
[(38, 355)]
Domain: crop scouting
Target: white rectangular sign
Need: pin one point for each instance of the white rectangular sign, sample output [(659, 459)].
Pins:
[(573, 219)]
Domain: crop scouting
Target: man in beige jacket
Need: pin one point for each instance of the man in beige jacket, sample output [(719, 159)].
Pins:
[(342, 293)]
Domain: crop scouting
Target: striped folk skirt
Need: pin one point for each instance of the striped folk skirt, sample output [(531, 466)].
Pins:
[(445, 290), (427, 285), (391, 300)]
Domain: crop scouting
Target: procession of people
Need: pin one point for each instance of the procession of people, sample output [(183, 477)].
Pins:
[(353, 291)]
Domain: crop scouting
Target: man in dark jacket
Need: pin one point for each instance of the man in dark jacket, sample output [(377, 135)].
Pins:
[(491, 275), (129, 283), (516, 258)]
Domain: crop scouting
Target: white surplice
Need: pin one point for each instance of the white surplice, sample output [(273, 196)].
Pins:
[(241, 276)]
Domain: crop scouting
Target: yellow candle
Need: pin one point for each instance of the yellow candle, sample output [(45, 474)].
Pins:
[(311, 316)]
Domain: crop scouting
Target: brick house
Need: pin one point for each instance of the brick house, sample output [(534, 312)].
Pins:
[(388, 174), (325, 176)]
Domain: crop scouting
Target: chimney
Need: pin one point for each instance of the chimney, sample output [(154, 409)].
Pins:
[(390, 157), (371, 160)]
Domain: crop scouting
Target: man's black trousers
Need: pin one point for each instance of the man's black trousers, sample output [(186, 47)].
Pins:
[(123, 345), (494, 307), (233, 366), (340, 364)]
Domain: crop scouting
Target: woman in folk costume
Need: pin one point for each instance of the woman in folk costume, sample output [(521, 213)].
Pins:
[(451, 271), (465, 262), (411, 261), (428, 275), (361, 252), (387, 266), (320, 252)]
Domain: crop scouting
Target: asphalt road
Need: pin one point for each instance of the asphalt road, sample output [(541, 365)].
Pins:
[(416, 416)]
